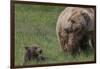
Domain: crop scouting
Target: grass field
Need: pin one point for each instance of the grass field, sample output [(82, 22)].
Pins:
[(35, 24)]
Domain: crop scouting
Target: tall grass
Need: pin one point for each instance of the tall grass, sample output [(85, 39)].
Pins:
[(35, 24)]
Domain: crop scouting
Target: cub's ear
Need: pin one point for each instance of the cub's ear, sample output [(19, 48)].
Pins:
[(26, 48)]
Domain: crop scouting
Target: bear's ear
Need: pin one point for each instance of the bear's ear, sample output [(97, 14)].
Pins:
[(26, 48), (88, 20), (86, 17), (39, 50)]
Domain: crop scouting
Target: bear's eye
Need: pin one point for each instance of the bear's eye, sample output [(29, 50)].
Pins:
[(68, 30), (76, 29), (72, 21)]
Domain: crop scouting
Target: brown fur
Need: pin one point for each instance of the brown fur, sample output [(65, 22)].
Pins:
[(33, 52), (75, 27)]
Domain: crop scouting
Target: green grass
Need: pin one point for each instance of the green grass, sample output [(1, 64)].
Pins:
[(35, 24)]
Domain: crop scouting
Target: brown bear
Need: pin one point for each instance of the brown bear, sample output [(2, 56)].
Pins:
[(75, 29), (33, 52)]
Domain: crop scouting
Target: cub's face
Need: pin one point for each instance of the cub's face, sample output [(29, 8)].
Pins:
[(33, 50)]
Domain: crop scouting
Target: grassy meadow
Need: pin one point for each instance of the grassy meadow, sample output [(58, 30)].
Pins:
[(36, 24)]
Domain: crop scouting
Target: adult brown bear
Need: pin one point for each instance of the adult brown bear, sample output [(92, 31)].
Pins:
[(75, 28)]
